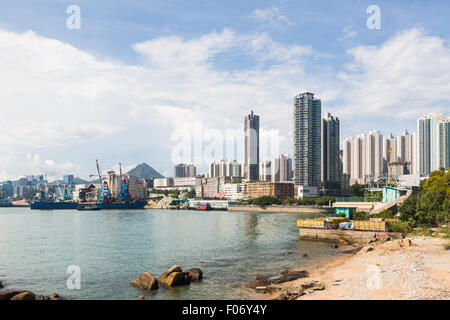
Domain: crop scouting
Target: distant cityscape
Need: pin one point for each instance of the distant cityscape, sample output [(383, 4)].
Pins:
[(318, 167)]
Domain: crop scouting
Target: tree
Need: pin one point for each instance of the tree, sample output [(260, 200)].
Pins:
[(357, 190)]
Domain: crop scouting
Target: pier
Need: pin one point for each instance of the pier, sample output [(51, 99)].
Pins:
[(350, 236)]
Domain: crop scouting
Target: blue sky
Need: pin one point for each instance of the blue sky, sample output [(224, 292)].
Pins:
[(136, 70)]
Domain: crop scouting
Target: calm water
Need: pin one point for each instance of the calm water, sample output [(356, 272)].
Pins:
[(114, 247)]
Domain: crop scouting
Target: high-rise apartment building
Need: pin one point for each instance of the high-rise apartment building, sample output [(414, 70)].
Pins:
[(251, 129), (182, 170), (278, 169), (330, 173), (428, 153), (223, 168), (373, 166), (444, 143), (284, 169), (307, 140)]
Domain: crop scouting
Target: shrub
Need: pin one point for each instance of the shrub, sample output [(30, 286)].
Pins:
[(387, 214), (360, 216), (402, 227)]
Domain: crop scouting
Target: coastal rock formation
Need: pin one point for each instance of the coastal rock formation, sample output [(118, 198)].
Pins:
[(175, 277), (1, 285), (53, 296), (305, 288), (366, 249), (396, 245), (285, 276), (195, 274), (7, 295), (24, 296), (145, 281)]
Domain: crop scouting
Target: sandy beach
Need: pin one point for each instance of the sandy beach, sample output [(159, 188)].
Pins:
[(415, 268)]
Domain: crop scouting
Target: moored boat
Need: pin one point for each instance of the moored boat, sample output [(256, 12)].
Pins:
[(89, 206), (53, 205), (135, 204), (201, 207)]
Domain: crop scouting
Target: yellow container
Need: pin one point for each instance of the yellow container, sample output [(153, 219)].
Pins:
[(321, 223), (370, 225)]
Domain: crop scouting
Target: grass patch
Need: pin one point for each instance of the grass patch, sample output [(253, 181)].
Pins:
[(424, 232), (402, 227)]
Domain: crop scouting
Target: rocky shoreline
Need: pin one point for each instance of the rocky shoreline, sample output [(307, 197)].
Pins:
[(173, 277), (412, 268), (25, 295)]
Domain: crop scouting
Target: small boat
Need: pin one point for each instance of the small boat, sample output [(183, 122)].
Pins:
[(202, 207), (89, 206)]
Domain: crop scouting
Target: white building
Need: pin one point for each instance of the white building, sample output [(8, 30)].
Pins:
[(234, 191), (162, 183), (306, 192)]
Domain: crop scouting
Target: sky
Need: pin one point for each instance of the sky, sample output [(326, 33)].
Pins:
[(150, 81)]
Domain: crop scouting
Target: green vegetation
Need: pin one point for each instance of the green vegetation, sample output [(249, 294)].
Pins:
[(373, 196), (174, 193), (322, 201), (360, 216), (431, 205), (264, 201), (357, 190), (386, 214), (398, 226)]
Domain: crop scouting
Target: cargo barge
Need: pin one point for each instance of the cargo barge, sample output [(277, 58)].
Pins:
[(136, 204), (53, 205)]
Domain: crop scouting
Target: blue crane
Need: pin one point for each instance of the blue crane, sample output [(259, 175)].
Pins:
[(105, 193), (124, 195)]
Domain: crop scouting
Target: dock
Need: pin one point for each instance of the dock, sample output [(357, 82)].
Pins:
[(350, 236)]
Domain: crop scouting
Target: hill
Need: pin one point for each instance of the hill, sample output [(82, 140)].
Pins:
[(145, 171)]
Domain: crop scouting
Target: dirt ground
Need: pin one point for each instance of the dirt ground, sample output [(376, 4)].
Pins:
[(401, 269)]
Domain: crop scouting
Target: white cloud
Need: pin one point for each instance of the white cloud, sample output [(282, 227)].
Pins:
[(271, 16), (72, 107), (406, 76)]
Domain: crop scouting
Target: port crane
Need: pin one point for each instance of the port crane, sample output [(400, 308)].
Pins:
[(105, 193), (124, 195)]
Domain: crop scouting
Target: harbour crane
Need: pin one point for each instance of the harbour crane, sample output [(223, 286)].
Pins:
[(105, 193), (124, 195)]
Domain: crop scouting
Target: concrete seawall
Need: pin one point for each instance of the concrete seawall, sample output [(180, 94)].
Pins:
[(351, 236), (292, 209)]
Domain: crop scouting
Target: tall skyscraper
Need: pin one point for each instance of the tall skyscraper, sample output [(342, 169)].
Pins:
[(330, 152), (373, 154), (347, 156), (285, 168), (184, 170), (444, 143), (307, 140), (428, 142), (265, 170), (278, 169), (251, 129)]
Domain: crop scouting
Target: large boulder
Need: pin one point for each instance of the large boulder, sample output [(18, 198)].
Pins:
[(195, 274), (24, 296), (7, 295), (406, 243), (175, 277), (55, 296), (145, 281), (366, 249)]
